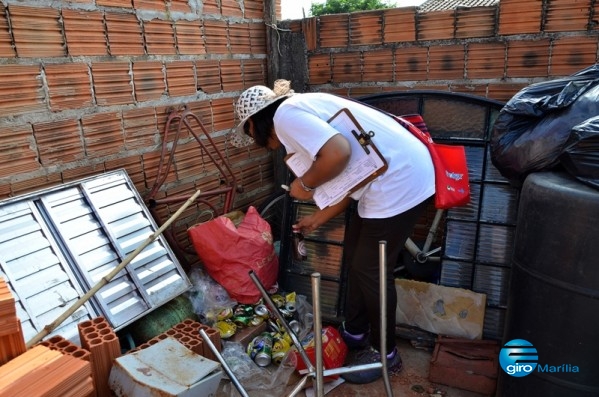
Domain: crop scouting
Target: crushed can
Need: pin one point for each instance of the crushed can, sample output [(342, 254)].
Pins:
[(260, 349)]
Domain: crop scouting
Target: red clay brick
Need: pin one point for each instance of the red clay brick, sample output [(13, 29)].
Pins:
[(254, 72), (400, 24), (485, 60), (208, 74), (37, 31), (84, 31), (213, 7), (140, 128), (475, 22), (222, 114), (446, 62), (69, 87), (239, 38), (436, 25), (112, 83), (216, 37), (156, 5), (319, 68), (34, 184), (124, 34), (21, 91), (180, 78), (366, 28), (567, 15), (102, 134), (58, 142), (115, 3), (378, 65), (6, 48), (178, 6), (18, 152), (253, 9), (231, 75), (258, 38), (334, 30), (517, 17), (411, 63), (571, 54), (347, 67), (189, 37), (230, 8), (528, 58), (148, 78), (160, 37)]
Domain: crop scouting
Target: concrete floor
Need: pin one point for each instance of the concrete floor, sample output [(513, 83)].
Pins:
[(412, 381)]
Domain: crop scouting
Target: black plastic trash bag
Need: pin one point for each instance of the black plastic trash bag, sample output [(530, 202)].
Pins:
[(581, 153), (532, 128)]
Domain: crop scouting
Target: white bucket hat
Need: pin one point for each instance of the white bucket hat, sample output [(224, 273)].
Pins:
[(250, 102)]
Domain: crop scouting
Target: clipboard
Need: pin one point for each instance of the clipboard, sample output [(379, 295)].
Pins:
[(366, 163)]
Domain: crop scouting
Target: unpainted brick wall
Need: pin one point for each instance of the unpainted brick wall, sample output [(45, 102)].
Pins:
[(86, 87), (489, 51)]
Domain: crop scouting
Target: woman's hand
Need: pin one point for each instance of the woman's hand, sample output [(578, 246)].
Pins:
[(297, 191), (309, 223)]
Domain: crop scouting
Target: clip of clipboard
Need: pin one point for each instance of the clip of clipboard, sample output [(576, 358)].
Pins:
[(366, 162)]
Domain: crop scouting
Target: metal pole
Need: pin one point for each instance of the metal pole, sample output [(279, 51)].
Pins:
[(318, 381), (383, 304), (275, 311), (228, 370)]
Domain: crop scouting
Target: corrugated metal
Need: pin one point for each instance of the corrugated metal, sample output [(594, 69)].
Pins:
[(57, 244)]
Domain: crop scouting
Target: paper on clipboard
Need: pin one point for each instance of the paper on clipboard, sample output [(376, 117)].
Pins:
[(365, 163)]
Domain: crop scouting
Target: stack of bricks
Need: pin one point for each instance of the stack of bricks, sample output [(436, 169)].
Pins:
[(98, 337), (12, 342), (187, 333), (55, 369), (41, 371)]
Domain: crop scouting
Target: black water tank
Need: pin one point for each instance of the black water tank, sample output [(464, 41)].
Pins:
[(553, 298)]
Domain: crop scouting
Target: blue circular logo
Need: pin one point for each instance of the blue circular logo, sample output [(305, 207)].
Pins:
[(518, 358)]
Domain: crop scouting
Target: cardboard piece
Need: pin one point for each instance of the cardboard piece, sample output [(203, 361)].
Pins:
[(439, 309)]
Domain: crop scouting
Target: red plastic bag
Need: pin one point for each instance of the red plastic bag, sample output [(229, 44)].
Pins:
[(452, 185), (229, 253)]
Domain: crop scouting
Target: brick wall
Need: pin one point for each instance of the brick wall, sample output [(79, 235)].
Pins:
[(86, 86), (487, 51)]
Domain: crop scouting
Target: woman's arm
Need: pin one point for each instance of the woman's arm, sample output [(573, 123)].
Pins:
[(331, 160)]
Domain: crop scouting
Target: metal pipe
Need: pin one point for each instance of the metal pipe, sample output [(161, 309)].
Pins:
[(226, 367), (275, 312), (383, 304), (318, 380)]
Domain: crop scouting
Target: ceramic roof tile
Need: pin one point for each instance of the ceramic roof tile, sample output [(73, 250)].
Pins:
[(442, 5)]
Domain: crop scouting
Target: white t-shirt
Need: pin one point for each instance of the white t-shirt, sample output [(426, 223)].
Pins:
[(301, 125)]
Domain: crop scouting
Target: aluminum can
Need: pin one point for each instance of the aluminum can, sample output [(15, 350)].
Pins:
[(226, 328), (280, 348), (261, 311), (260, 349)]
